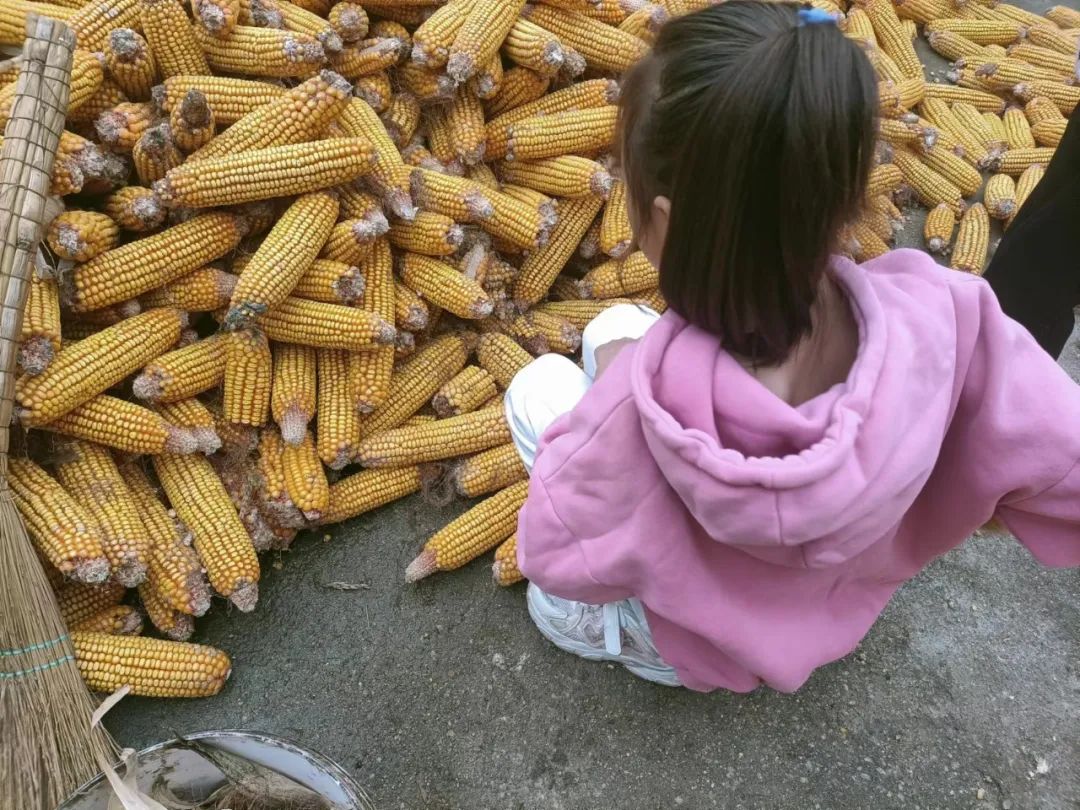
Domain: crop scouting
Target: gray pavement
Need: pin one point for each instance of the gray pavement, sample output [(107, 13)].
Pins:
[(966, 693)]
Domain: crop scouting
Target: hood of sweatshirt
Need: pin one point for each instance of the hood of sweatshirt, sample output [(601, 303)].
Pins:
[(810, 485)]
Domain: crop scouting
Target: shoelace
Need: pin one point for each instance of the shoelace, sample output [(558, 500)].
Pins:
[(612, 630)]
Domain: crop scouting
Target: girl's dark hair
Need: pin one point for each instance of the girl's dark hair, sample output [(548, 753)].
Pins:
[(761, 132)]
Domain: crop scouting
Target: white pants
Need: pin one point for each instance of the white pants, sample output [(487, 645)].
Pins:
[(552, 385)]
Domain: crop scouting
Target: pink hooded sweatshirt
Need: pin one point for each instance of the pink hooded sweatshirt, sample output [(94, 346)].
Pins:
[(763, 539)]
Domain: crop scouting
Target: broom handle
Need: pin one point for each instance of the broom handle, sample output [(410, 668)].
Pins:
[(31, 138)]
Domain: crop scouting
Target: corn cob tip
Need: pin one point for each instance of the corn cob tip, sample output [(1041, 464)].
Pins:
[(400, 204), (240, 316), (180, 441), (124, 42), (309, 52), (371, 226), (461, 67), (245, 596), (504, 574), (35, 354), (148, 386), (130, 572), (131, 624), (110, 127), (330, 41), (182, 629), (195, 109), (294, 424), (385, 333), (266, 15), (423, 566), (336, 81), (90, 571), (213, 18)]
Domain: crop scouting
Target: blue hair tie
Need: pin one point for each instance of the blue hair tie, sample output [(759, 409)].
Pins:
[(815, 16)]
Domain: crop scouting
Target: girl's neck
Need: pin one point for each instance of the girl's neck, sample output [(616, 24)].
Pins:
[(823, 358)]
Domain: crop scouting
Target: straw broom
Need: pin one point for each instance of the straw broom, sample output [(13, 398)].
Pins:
[(48, 748)]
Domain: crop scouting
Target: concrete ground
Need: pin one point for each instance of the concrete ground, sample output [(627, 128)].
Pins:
[(966, 694)]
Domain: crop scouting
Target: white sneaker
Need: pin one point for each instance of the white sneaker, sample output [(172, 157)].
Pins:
[(615, 632)]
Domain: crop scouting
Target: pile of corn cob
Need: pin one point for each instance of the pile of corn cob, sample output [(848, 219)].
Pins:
[(301, 237)]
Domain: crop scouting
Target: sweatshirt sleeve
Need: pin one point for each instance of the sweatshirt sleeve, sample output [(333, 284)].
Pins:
[(1020, 415)]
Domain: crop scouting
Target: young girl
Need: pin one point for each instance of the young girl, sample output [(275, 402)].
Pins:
[(732, 499)]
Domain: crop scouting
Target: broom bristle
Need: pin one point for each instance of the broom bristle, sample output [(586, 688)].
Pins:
[(49, 748)]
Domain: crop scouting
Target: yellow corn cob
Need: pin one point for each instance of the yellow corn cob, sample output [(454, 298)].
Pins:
[(118, 620), (1065, 16), (183, 373), (328, 326), (1046, 58), (350, 21), (866, 243), (501, 357), (445, 287), (286, 252), (444, 438), (605, 48), (975, 151), (566, 133), (645, 23), (938, 231), (91, 366), (125, 426), (283, 170), (856, 25), (519, 86), (480, 35), (152, 667), (169, 622), (981, 32), (88, 472), (430, 234), (892, 38), (1041, 109), (134, 208), (480, 529), (595, 93), (251, 51), (219, 17), (396, 12), (130, 63), (616, 235), (410, 312), (273, 476), (980, 99), (93, 21), (1002, 74), (375, 89), (1049, 133), (433, 38), (906, 132), (542, 266), (367, 490), (930, 187), (196, 418), (580, 312), (140, 266), (1066, 98), (484, 175), (338, 425), (1000, 196), (517, 224), (230, 99), (192, 121), (1017, 130), (292, 401), (224, 546), (331, 282), (14, 14), (427, 85), (155, 153), (370, 370), (972, 240), (1015, 161), (368, 58), (401, 118), (616, 278), (295, 18), (554, 333), (440, 139), (465, 121), (951, 45), (350, 240), (248, 375), (563, 176), (78, 601), (485, 83), (300, 115), (206, 290), (172, 39), (455, 197), (954, 169), (39, 340), (121, 127), (416, 381), (922, 11), (1026, 184), (489, 471), (531, 46), (305, 480), (505, 569), (62, 529), (1050, 38), (466, 392)]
